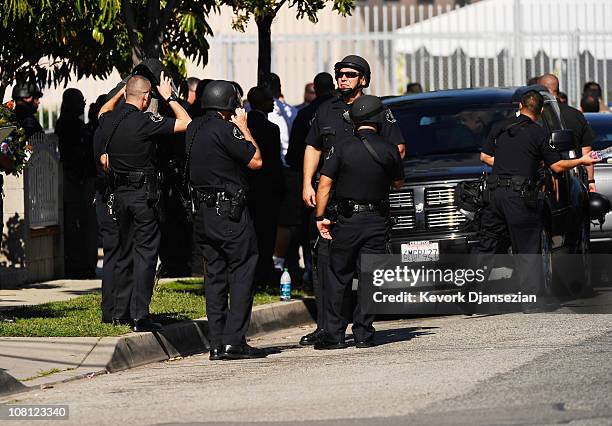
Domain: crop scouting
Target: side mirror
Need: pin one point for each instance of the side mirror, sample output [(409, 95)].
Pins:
[(562, 140)]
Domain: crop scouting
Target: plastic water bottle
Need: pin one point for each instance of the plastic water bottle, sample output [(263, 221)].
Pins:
[(285, 286), (604, 154)]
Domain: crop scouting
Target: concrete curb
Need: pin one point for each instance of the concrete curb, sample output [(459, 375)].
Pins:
[(9, 384), (112, 354)]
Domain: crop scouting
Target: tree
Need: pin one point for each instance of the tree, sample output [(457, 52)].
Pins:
[(264, 12), (48, 41), (158, 29), (92, 37)]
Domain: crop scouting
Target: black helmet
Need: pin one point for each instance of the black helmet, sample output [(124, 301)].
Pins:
[(367, 109), (25, 90), (220, 95), (599, 206), (357, 63), (151, 69)]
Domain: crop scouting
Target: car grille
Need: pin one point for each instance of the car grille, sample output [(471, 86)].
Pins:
[(441, 196), (404, 199), (404, 222), (444, 219)]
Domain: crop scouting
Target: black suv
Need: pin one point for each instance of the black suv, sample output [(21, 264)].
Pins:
[(444, 131)]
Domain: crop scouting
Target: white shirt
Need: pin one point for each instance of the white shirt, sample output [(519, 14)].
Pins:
[(283, 116)]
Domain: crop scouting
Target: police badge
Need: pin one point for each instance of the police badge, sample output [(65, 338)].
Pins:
[(237, 133), (155, 118)]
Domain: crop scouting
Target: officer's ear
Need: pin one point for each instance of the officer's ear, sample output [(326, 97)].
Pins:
[(362, 81)]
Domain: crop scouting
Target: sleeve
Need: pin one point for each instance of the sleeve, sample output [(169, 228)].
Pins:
[(488, 145), (549, 155), (332, 163), (586, 137), (314, 134), (295, 151), (158, 125), (98, 143), (391, 130), (398, 166), (238, 147)]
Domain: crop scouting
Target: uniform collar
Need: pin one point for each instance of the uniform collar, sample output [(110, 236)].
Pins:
[(130, 107), (522, 117)]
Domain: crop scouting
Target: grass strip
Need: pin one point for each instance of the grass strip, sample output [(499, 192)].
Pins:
[(80, 317)]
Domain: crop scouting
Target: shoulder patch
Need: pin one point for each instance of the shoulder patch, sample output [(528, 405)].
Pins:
[(237, 133), (389, 116), (330, 153), (156, 118)]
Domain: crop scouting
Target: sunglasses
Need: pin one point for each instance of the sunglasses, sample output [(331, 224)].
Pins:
[(348, 74)]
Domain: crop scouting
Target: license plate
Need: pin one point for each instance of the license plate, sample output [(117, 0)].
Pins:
[(420, 251)]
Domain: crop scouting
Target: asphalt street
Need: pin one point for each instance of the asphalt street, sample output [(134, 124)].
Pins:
[(505, 369)]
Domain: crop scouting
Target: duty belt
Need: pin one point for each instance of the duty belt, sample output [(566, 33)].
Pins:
[(210, 196), (517, 183), (131, 179), (349, 207)]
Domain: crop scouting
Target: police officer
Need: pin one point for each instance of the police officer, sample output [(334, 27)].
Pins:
[(27, 99), (363, 168), (573, 119), (129, 150), (515, 149), (331, 128), (220, 150)]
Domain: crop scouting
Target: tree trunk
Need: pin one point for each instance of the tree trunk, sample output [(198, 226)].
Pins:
[(264, 39), (2, 90)]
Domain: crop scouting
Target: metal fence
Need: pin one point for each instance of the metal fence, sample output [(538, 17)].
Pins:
[(487, 43), (42, 174)]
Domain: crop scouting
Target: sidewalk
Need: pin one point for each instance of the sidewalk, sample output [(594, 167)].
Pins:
[(40, 361), (50, 291)]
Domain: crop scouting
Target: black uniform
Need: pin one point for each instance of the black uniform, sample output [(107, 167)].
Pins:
[(330, 129), (218, 165), (27, 120), (362, 191), (518, 146), (131, 156), (574, 120), (265, 192)]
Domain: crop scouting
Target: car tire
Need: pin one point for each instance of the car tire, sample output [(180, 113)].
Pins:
[(547, 262)]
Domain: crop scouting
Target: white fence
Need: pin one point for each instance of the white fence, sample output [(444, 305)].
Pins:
[(487, 43), (43, 175)]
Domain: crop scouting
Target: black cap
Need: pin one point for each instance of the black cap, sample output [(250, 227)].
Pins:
[(367, 109), (151, 69), (357, 63), (25, 90), (220, 95)]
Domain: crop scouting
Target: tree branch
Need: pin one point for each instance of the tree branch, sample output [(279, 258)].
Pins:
[(130, 22), (278, 7)]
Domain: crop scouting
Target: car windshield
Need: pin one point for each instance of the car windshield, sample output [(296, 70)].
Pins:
[(448, 129), (603, 133)]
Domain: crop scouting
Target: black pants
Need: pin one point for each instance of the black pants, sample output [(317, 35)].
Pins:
[(230, 252), (363, 233), (80, 226), (109, 232), (264, 211), (508, 217), (139, 244)]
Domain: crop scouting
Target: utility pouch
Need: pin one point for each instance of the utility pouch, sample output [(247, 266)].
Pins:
[(345, 208), (152, 188), (237, 201)]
